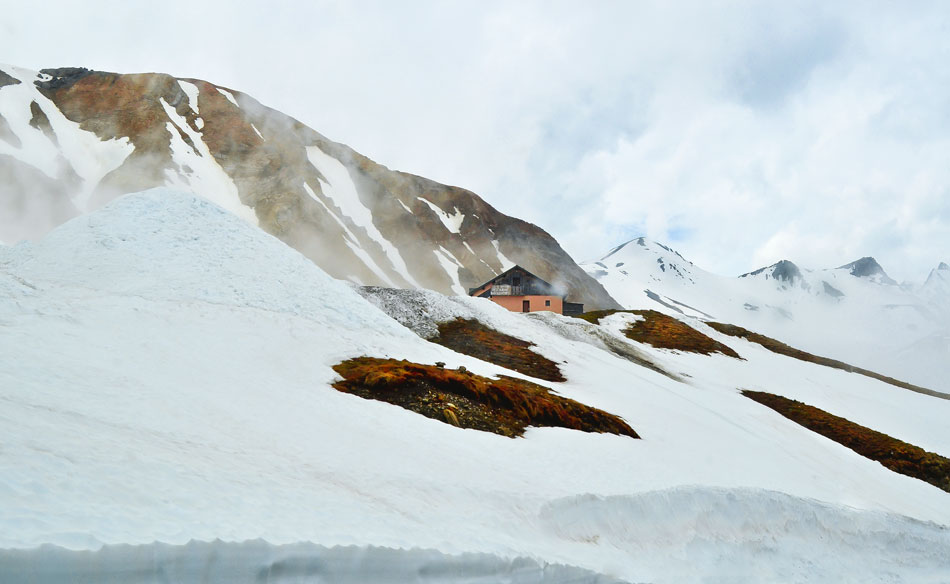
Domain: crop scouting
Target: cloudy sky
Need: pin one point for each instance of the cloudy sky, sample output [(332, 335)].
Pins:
[(740, 133)]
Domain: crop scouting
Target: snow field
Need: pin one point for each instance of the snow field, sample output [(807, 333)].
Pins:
[(165, 371)]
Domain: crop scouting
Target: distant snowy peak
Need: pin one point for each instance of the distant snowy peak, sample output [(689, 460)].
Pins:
[(647, 244), (72, 139), (787, 276), (943, 266), (867, 267), (643, 273), (644, 257)]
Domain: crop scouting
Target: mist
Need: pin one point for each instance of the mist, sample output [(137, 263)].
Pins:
[(739, 134)]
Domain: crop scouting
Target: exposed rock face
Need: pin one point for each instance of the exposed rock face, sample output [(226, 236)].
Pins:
[(6, 79), (831, 290), (784, 271), (355, 218), (867, 267)]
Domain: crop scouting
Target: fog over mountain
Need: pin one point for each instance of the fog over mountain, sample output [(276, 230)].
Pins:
[(740, 133)]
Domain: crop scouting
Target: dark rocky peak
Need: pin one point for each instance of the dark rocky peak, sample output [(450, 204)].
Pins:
[(61, 77), (831, 290), (6, 79), (867, 267), (784, 271), (939, 276)]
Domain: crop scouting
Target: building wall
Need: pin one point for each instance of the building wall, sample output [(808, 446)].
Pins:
[(514, 303)]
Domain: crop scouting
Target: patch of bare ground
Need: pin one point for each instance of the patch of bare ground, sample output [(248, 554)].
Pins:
[(470, 337), (894, 454), (783, 349), (665, 332), (505, 406)]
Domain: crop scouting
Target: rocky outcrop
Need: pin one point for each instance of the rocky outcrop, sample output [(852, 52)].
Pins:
[(7, 79), (867, 267), (784, 271), (355, 218)]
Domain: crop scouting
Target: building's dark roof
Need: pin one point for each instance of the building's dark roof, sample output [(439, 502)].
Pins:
[(505, 273)]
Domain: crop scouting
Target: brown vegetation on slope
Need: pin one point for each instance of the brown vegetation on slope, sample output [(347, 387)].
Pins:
[(783, 349), (504, 406), (894, 454), (471, 337), (665, 332)]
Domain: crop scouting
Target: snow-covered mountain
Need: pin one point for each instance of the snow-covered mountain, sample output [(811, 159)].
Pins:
[(168, 415), (170, 375), (72, 139), (937, 285), (855, 313)]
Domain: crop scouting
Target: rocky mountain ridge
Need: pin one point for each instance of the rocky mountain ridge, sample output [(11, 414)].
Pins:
[(72, 140)]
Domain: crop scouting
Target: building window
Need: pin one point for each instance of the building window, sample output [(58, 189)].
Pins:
[(547, 303), (516, 281)]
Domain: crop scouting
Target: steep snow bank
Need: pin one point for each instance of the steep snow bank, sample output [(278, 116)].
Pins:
[(257, 562), (745, 535), (169, 246), (749, 535)]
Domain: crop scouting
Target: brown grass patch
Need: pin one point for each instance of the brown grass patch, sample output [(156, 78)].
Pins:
[(665, 332), (471, 337), (894, 454), (783, 349), (504, 406)]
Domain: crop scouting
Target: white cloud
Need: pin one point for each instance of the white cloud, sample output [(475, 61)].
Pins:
[(740, 133)]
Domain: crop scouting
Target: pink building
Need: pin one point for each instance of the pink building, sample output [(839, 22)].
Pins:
[(519, 290)]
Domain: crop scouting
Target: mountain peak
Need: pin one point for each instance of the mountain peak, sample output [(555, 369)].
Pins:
[(867, 267), (784, 270), (943, 266), (649, 244)]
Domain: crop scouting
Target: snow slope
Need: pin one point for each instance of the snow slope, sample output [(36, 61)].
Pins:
[(165, 370), (854, 313)]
